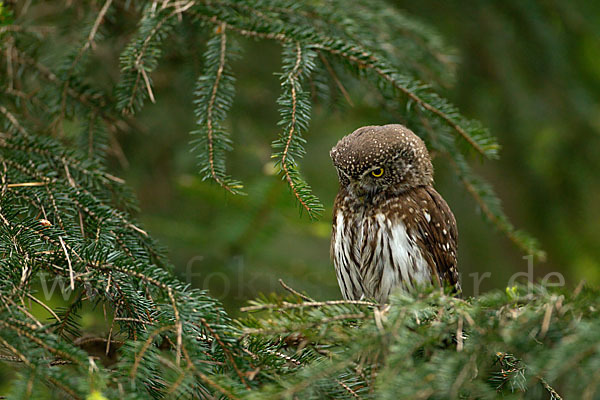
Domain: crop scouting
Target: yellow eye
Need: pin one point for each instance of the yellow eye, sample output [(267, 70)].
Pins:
[(377, 172)]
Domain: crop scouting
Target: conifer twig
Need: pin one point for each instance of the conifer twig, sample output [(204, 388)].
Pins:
[(221, 30), (295, 292), (45, 306), (110, 331), (38, 341), (336, 79), (148, 85), (145, 347), (178, 325), (62, 243), (20, 356), (90, 40), (291, 79), (13, 120), (550, 389), (286, 305), (25, 184), (284, 356), (348, 389), (226, 351), (88, 43), (139, 64), (206, 379)]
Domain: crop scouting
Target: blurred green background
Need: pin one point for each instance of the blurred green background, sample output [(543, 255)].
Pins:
[(528, 70)]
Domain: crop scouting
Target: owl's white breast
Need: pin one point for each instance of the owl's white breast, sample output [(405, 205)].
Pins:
[(375, 255), (403, 263)]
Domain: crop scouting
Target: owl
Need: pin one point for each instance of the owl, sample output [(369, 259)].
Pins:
[(391, 229)]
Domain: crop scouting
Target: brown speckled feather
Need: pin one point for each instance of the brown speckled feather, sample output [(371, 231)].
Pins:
[(435, 228)]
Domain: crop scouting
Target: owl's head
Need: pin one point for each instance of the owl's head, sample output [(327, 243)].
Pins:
[(373, 159)]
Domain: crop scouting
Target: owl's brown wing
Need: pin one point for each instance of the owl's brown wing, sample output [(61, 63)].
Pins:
[(434, 227)]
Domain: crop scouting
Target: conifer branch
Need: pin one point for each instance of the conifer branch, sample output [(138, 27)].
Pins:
[(365, 60), (226, 351), (21, 332), (146, 345), (13, 120), (286, 305), (87, 45), (211, 104), (294, 291), (215, 92), (211, 382), (292, 77), (483, 143), (96, 104), (141, 56), (19, 356), (336, 80), (295, 113)]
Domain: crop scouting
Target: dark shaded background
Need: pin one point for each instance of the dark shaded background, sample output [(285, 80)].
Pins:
[(529, 70)]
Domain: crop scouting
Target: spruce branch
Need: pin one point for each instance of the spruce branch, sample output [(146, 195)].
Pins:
[(477, 137), (286, 305), (98, 249), (336, 79), (214, 94), (96, 103), (294, 291), (472, 132), (141, 55), (13, 120), (295, 116), (403, 345), (79, 55)]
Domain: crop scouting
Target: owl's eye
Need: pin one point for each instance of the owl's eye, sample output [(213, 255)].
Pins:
[(377, 172)]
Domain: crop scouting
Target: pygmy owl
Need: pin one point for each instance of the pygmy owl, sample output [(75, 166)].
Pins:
[(391, 229)]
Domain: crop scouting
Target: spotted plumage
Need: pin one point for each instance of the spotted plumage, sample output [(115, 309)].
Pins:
[(391, 229)]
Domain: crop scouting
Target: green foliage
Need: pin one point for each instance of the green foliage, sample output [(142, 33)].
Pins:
[(430, 345), (66, 220), (60, 221)]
